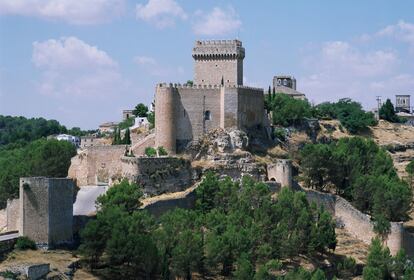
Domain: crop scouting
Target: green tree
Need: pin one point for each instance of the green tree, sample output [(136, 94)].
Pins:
[(180, 242), (387, 112), (377, 262), (140, 110), (127, 137), (151, 119), (348, 112), (288, 110), (245, 269), (150, 152), (50, 158), (124, 195)]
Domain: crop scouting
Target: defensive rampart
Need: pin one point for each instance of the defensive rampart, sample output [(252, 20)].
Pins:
[(360, 224)]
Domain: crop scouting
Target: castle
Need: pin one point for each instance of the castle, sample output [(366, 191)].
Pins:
[(217, 99)]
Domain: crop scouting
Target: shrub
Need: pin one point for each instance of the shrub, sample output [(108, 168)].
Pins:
[(25, 243), (280, 133), (162, 151), (150, 152)]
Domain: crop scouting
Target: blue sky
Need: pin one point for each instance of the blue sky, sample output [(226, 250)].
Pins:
[(82, 62)]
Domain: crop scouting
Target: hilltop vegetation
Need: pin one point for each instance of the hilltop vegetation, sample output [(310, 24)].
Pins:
[(42, 157), (288, 111), (360, 171), (18, 131), (234, 229)]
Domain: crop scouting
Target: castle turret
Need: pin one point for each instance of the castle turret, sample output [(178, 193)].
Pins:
[(165, 130), (281, 172), (218, 62)]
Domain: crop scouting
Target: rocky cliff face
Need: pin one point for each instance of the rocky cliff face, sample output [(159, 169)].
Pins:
[(225, 152)]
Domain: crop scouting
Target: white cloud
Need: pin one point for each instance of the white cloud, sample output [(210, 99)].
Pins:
[(161, 13), (340, 69), (217, 22), (71, 67), (151, 66), (402, 31), (71, 11)]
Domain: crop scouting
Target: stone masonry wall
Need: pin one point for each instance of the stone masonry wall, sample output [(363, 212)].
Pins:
[(358, 223), (96, 164), (250, 107), (12, 214), (46, 210), (281, 172), (158, 175), (60, 211)]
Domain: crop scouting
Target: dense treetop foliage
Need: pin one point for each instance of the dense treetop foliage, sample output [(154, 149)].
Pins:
[(20, 130), (235, 228), (360, 171), (387, 113), (288, 111), (140, 110), (381, 265), (348, 112), (42, 157)]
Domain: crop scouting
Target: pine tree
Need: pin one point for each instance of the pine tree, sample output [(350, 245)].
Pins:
[(387, 112), (273, 94), (127, 137)]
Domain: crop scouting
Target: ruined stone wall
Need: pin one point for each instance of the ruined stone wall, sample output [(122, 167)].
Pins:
[(160, 207), (96, 164), (12, 214), (359, 224), (158, 175), (139, 148), (60, 211), (281, 172)]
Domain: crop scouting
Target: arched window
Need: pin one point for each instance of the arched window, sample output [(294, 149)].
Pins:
[(279, 82), (285, 82), (207, 115)]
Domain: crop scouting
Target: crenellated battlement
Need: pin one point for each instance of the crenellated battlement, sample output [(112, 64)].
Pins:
[(218, 49), (187, 86)]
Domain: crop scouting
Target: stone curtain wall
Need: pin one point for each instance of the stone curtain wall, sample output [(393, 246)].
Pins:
[(250, 107), (160, 207), (359, 224), (158, 175), (96, 164), (12, 214)]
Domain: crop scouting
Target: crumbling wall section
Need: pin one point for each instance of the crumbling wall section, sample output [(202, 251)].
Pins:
[(359, 224), (158, 175)]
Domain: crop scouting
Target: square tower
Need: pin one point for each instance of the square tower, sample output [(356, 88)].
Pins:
[(402, 103), (46, 210), (217, 61)]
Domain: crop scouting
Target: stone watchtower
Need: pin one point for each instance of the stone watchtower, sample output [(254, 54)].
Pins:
[(46, 210), (218, 61)]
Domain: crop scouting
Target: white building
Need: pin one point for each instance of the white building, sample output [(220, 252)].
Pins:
[(70, 138)]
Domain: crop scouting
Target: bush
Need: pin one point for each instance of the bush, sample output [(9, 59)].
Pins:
[(288, 110), (150, 152), (162, 151), (25, 243), (280, 133), (348, 112), (126, 123)]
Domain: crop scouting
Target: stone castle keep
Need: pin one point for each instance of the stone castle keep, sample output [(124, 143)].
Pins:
[(217, 99)]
